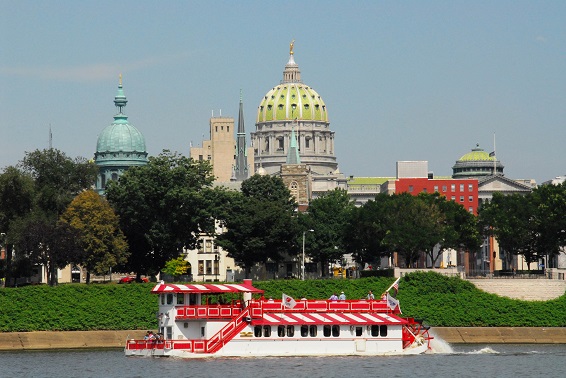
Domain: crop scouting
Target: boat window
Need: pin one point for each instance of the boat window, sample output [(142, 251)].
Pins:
[(335, 330), (358, 331), (169, 298), (169, 333), (180, 298), (326, 331), (304, 330), (290, 331), (266, 331), (281, 331), (313, 330), (383, 330), (192, 299), (375, 330), (257, 331)]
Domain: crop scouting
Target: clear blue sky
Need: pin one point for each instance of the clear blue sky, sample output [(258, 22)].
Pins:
[(402, 80)]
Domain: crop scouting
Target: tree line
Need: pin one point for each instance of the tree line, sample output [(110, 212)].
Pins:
[(51, 216)]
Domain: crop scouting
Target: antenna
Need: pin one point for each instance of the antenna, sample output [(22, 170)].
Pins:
[(50, 138)]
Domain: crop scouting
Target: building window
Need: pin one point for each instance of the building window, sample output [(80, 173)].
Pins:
[(453, 198), (280, 141), (461, 187), (443, 188), (424, 190), (410, 188), (307, 143), (208, 267), (436, 188), (453, 187), (471, 209), (470, 187), (471, 199), (201, 267), (461, 198)]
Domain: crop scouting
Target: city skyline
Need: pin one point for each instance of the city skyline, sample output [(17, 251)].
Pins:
[(402, 81)]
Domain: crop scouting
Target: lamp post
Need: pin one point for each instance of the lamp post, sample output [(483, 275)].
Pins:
[(303, 265)]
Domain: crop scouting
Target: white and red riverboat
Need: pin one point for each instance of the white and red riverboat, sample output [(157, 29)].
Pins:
[(195, 321)]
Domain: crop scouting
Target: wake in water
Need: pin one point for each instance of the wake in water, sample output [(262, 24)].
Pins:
[(440, 346), (486, 350)]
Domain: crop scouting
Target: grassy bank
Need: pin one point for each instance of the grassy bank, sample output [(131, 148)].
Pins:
[(441, 301)]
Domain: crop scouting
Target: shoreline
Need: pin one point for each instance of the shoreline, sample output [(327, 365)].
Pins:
[(42, 340)]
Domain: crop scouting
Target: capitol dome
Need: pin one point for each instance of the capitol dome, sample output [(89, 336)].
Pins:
[(120, 145), (288, 110)]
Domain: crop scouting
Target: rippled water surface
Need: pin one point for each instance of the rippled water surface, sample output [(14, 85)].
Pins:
[(459, 360)]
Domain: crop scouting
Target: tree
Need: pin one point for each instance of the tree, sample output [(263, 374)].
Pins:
[(366, 230), (457, 226), (16, 200), (549, 206), (415, 225), (176, 267), (163, 207), (510, 219), (260, 223), (328, 216), (43, 241), (97, 225), (57, 178)]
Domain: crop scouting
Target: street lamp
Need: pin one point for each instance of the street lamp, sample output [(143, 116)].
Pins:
[(303, 266)]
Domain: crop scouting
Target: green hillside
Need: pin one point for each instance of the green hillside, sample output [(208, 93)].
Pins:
[(439, 300)]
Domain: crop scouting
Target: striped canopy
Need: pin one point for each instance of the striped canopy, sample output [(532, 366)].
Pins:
[(204, 288)]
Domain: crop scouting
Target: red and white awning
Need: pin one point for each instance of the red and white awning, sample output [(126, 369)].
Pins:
[(204, 288), (330, 318)]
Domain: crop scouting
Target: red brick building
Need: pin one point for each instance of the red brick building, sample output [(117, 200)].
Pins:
[(462, 191)]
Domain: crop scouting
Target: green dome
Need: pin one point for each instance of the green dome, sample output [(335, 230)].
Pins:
[(120, 136), (120, 143), (289, 101), (477, 154)]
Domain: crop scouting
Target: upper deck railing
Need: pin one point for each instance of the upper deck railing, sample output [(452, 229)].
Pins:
[(258, 307)]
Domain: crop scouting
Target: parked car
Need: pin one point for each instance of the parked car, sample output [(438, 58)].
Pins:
[(130, 279)]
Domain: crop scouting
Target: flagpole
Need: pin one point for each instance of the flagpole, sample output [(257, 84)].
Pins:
[(494, 156), (393, 284)]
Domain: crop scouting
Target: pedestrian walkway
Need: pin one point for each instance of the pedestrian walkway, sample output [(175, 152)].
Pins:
[(526, 289)]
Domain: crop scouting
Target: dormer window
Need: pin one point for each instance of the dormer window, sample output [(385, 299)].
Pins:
[(280, 106), (306, 106)]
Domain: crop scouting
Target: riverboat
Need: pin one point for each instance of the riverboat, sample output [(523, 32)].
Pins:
[(205, 320)]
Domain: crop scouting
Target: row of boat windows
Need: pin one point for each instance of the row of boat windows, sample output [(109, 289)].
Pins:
[(312, 330)]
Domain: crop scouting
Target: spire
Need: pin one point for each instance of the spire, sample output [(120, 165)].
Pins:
[(293, 155), (120, 99), (291, 74), (241, 170)]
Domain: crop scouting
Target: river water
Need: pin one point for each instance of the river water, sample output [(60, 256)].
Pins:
[(459, 360)]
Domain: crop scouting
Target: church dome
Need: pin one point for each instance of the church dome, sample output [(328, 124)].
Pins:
[(120, 142), (292, 99)]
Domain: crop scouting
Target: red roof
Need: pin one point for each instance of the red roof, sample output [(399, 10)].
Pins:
[(361, 318), (204, 288)]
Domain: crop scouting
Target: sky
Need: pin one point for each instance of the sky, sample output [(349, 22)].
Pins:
[(402, 80)]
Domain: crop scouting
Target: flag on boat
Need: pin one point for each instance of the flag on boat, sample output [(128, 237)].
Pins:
[(492, 154), (288, 301), (392, 302), (395, 286)]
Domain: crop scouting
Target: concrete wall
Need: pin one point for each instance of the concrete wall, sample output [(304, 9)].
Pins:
[(117, 339)]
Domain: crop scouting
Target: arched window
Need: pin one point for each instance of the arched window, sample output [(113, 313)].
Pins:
[(294, 189)]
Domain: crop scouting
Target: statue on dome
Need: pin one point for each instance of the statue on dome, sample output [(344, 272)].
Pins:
[(291, 45)]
